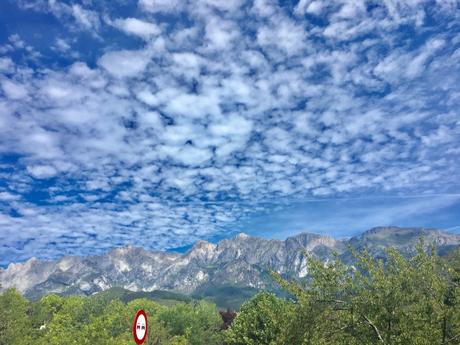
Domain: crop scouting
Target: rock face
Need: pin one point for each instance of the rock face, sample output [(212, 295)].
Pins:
[(243, 260)]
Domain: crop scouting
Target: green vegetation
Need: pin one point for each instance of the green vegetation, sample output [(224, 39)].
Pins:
[(226, 296), (165, 298), (56, 320), (261, 320), (400, 301)]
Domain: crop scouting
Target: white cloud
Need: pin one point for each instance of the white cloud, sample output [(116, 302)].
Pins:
[(137, 27), (244, 103), (351, 10), (17, 41), (6, 64), (408, 64), (86, 18), (13, 89), (264, 8), (188, 64), (191, 105), (147, 97), (62, 45), (220, 33), (312, 7), (192, 156), (42, 171), (231, 126), (6, 196), (417, 63), (285, 35), (124, 63), (81, 69), (159, 5), (224, 5)]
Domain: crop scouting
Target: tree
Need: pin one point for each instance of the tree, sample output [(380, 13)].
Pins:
[(198, 321), (397, 301), (15, 325), (179, 340), (260, 321), (451, 319)]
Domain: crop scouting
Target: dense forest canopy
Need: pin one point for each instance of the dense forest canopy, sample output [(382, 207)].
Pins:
[(396, 301)]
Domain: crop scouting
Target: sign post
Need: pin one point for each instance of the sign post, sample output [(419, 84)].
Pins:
[(140, 327)]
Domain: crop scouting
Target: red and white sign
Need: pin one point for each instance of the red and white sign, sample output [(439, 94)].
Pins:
[(140, 327)]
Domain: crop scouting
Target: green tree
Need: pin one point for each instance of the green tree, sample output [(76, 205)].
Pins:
[(261, 321), (451, 319), (15, 324), (67, 321), (198, 322), (92, 320), (397, 301), (179, 340)]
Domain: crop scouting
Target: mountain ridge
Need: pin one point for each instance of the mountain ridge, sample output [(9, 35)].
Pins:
[(242, 260)]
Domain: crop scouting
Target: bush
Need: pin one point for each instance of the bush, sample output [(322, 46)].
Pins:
[(260, 322)]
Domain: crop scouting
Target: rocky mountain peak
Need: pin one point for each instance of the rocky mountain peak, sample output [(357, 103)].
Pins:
[(242, 260), (242, 236), (203, 246), (310, 241), (202, 250), (394, 233), (394, 230)]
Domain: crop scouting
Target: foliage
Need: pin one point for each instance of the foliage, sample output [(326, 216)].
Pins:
[(199, 322), (166, 298), (15, 325), (226, 296), (399, 301), (56, 320), (261, 321)]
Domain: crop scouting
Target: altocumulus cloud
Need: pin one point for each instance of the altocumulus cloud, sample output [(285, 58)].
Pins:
[(163, 122)]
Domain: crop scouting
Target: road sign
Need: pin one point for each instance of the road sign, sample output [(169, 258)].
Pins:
[(140, 327)]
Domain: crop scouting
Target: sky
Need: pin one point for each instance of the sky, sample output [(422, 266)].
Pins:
[(157, 123)]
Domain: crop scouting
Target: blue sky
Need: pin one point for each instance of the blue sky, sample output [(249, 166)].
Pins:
[(157, 123)]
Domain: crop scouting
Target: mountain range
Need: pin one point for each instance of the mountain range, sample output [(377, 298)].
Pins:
[(242, 261)]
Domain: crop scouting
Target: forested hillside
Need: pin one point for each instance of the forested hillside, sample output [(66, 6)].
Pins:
[(399, 301)]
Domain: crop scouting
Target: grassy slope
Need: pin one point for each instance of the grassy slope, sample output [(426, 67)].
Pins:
[(225, 296), (161, 297)]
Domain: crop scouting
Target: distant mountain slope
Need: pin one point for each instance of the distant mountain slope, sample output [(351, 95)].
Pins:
[(403, 239), (241, 262), (166, 298)]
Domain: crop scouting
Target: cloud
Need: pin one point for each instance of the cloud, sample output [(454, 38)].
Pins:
[(193, 105), (72, 16), (233, 126), (220, 33), (159, 5), (6, 64), (86, 18), (136, 27), (124, 63), (6, 196), (62, 45), (13, 90), (42, 171), (190, 155), (220, 111), (284, 35), (312, 7)]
